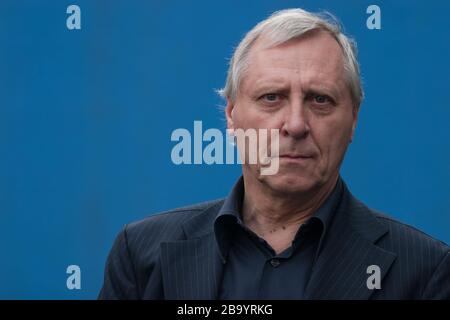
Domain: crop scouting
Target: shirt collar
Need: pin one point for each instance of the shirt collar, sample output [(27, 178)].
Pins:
[(230, 213)]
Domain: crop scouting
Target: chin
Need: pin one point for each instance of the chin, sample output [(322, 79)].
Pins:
[(290, 182)]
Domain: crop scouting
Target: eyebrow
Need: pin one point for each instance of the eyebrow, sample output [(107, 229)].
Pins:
[(332, 88), (270, 84), (282, 85)]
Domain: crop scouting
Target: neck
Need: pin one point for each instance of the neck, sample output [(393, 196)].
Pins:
[(277, 217)]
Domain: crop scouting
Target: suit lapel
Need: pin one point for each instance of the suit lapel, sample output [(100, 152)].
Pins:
[(341, 269), (191, 268)]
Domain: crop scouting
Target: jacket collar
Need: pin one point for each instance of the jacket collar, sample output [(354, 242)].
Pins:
[(341, 271), (192, 268)]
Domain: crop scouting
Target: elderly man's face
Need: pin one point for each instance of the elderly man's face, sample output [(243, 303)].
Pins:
[(299, 88)]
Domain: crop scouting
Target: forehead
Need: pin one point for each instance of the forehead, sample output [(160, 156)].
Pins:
[(315, 58)]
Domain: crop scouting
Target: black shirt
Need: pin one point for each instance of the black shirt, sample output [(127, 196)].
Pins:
[(252, 269)]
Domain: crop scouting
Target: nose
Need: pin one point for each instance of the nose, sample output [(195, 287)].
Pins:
[(295, 120)]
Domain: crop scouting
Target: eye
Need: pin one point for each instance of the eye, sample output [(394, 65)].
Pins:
[(322, 99), (270, 97)]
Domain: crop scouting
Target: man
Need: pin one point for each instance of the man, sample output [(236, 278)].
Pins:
[(296, 234)]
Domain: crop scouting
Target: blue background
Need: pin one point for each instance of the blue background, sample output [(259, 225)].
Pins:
[(86, 118)]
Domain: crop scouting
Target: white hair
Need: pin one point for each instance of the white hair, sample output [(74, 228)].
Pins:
[(286, 25)]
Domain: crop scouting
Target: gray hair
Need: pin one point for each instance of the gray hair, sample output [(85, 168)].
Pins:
[(286, 25)]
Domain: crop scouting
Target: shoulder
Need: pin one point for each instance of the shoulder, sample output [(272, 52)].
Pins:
[(397, 235), (418, 255), (422, 262), (166, 225), (404, 235), (414, 249)]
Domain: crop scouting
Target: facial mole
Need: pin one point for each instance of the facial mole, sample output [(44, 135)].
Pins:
[(276, 229)]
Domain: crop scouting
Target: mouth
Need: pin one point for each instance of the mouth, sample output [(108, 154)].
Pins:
[(296, 158)]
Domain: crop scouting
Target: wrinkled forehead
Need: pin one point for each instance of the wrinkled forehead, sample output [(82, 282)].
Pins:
[(317, 56)]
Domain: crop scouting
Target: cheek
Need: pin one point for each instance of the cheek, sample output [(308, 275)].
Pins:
[(332, 138), (246, 115)]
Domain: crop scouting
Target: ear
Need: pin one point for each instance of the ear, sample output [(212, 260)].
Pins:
[(229, 114), (355, 120)]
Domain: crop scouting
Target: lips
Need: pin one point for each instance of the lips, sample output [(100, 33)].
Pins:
[(301, 159), (296, 156)]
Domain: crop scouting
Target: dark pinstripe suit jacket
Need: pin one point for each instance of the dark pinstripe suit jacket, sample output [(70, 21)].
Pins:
[(173, 255)]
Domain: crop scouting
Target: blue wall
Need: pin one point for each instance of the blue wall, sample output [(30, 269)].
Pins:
[(86, 117)]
